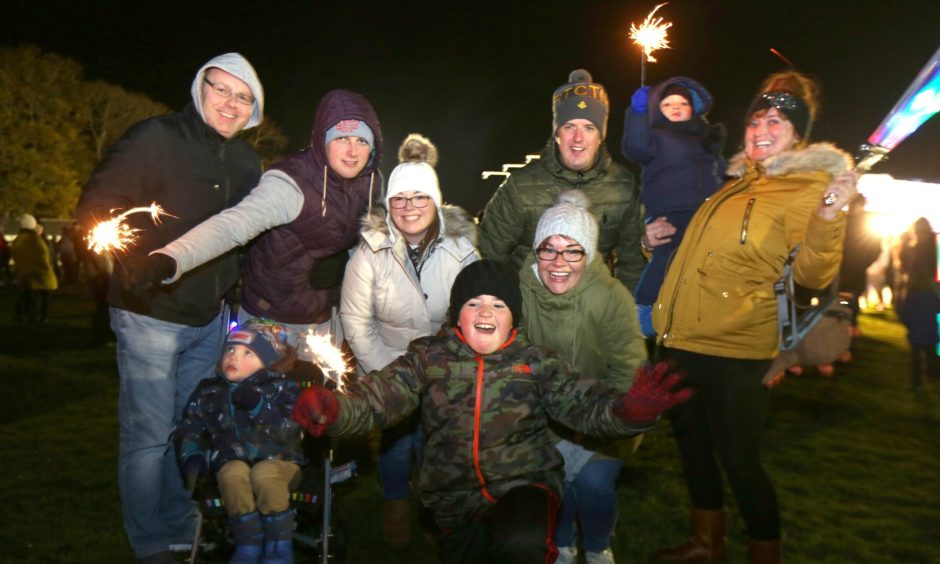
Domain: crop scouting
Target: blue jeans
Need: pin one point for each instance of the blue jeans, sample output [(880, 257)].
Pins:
[(160, 364), (395, 456), (647, 289), (591, 499)]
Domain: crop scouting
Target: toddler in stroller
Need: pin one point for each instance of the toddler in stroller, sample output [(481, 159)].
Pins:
[(237, 425)]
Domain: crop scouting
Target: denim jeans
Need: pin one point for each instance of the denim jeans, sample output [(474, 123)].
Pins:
[(395, 456), (160, 364), (591, 499), (647, 289)]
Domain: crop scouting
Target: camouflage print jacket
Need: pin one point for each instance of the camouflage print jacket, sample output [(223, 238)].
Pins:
[(486, 417)]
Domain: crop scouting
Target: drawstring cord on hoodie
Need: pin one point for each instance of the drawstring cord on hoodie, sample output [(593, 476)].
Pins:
[(325, 184), (323, 200)]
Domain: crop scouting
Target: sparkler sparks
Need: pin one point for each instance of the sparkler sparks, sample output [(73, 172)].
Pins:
[(650, 36), (116, 235), (328, 357)]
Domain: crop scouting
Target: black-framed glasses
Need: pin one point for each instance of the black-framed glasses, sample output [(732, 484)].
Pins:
[(224, 92), (569, 255), (397, 202)]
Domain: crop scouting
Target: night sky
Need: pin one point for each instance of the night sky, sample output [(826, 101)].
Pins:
[(477, 78)]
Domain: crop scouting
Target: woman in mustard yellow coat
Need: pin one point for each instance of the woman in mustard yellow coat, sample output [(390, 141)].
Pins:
[(716, 314), (34, 272)]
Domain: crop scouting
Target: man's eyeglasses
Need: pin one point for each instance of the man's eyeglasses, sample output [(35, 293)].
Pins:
[(224, 92), (397, 202), (570, 255)]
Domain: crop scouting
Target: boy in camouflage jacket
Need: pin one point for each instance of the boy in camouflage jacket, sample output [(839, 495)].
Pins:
[(491, 472)]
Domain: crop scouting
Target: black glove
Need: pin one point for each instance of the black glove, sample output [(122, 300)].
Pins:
[(144, 272), (328, 272), (192, 468)]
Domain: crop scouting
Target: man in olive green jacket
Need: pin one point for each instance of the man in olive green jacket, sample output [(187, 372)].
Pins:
[(574, 158)]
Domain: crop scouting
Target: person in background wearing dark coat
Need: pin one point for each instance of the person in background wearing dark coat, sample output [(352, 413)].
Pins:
[(918, 311), (666, 131), (193, 164), (70, 253)]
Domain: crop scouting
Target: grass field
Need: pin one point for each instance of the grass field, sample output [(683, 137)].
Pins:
[(856, 459)]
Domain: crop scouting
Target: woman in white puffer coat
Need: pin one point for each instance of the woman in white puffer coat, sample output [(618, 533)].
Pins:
[(396, 289)]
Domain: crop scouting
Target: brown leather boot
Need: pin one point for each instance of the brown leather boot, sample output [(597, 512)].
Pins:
[(707, 543), (764, 551), (396, 526)]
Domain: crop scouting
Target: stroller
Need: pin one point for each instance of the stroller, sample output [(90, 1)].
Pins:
[(318, 529)]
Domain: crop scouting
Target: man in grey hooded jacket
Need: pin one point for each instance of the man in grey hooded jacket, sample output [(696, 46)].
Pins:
[(169, 338)]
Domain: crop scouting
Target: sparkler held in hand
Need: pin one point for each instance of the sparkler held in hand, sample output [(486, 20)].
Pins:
[(116, 235), (650, 36), (328, 357)]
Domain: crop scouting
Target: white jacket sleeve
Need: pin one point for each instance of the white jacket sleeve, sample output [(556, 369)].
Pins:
[(357, 313), (275, 201)]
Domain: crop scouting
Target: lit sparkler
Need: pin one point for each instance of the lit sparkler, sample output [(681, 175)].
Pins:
[(328, 357), (116, 235), (650, 36)]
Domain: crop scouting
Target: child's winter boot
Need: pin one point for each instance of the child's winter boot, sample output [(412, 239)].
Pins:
[(278, 530), (248, 538)]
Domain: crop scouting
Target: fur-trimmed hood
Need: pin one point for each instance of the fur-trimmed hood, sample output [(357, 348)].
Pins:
[(818, 156), (455, 223)]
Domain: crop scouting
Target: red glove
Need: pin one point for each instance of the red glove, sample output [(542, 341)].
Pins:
[(651, 394), (316, 410)]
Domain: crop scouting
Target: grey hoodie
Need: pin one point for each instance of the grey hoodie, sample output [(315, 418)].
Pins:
[(239, 67)]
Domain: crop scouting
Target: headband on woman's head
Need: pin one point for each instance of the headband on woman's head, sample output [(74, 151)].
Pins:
[(790, 104)]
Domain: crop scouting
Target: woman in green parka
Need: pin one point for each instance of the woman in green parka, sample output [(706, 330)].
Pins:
[(573, 305)]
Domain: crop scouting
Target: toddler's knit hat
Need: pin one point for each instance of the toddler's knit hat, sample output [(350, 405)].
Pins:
[(486, 277), (265, 339), (580, 98), (570, 217)]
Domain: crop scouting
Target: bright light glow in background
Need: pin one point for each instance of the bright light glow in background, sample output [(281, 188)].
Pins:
[(894, 206)]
